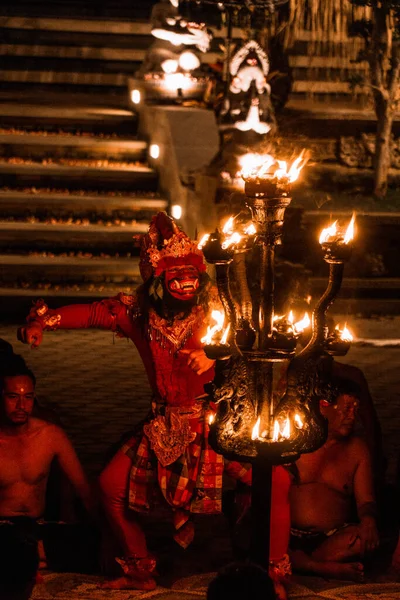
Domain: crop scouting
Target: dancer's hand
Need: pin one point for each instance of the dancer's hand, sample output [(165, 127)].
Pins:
[(198, 361), (31, 334)]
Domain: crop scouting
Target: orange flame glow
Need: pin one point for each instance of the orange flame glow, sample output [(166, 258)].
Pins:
[(345, 333), (334, 233), (219, 318), (225, 336), (328, 232), (300, 326), (349, 235), (256, 430), (203, 241), (231, 240), (259, 166), (250, 230), (211, 419), (228, 227)]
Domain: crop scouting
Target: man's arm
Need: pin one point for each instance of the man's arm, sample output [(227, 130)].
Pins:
[(365, 497), (100, 315), (71, 466)]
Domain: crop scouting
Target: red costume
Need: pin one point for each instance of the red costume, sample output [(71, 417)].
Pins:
[(170, 452)]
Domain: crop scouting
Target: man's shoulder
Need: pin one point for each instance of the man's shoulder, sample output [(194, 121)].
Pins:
[(357, 445), (43, 426)]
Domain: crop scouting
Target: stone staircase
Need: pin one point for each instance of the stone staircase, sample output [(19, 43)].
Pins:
[(76, 193)]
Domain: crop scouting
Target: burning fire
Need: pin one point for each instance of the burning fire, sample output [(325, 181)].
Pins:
[(300, 326), (345, 333), (335, 234), (225, 336), (279, 433), (250, 229), (203, 241), (211, 418), (219, 318), (256, 430), (260, 166), (235, 238), (228, 227), (295, 328)]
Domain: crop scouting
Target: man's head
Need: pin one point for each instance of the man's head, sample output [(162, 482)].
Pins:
[(242, 581), (341, 408), (17, 389)]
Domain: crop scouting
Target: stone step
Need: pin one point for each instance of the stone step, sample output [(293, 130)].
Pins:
[(326, 62), (80, 114), (70, 146), (101, 177), (115, 57), (108, 28), (66, 38), (72, 78), (65, 270), (19, 203), (21, 237), (103, 26), (323, 87), (88, 9)]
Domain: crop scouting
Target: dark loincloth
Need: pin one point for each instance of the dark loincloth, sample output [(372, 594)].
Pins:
[(309, 541)]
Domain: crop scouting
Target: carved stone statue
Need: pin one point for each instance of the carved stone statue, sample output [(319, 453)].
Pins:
[(248, 105), (173, 61)]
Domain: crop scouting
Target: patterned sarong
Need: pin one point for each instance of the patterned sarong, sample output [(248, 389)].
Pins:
[(191, 484)]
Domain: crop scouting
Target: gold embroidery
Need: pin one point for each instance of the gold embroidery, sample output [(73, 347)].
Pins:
[(177, 333), (169, 436)]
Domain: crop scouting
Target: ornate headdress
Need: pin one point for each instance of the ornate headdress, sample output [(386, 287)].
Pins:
[(166, 245)]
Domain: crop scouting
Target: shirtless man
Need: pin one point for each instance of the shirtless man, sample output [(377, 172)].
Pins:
[(324, 538), (28, 446)]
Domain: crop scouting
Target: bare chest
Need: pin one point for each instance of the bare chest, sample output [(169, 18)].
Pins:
[(23, 461), (331, 466)]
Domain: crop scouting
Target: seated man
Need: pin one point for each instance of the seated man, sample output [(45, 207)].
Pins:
[(28, 446), (325, 540)]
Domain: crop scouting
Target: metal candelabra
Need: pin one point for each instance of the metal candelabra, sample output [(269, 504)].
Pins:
[(247, 426)]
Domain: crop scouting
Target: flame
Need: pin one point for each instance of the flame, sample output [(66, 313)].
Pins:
[(203, 241), (211, 419), (251, 163), (300, 326), (228, 227), (297, 166), (286, 429), (333, 232), (277, 318), (225, 336), (281, 433), (256, 430), (276, 431), (327, 233), (250, 229), (345, 333), (298, 421), (349, 235), (291, 318), (259, 165), (219, 318), (233, 239)]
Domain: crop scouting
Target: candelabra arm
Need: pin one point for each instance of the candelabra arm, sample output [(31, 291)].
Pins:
[(267, 286), (239, 264), (319, 314), (221, 271)]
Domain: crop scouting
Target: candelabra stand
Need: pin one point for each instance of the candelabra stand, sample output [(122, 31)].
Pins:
[(246, 425)]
